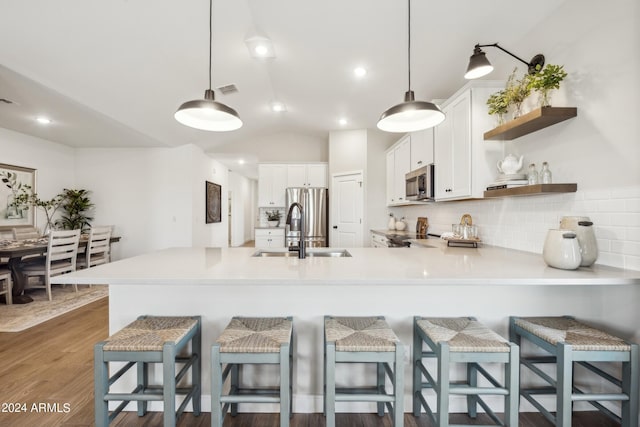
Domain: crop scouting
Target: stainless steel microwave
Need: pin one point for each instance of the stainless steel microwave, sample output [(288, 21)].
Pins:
[(419, 183)]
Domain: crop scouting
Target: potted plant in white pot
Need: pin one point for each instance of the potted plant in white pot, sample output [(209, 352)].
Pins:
[(273, 218)]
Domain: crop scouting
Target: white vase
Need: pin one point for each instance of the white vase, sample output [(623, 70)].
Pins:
[(561, 250), (583, 227), (392, 223)]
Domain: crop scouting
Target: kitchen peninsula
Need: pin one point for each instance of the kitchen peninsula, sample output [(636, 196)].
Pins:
[(490, 283)]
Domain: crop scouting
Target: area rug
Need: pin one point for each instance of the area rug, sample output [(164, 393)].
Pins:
[(18, 317)]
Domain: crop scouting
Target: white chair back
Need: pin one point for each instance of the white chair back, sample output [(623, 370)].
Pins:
[(62, 252), (23, 233), (99, 246)]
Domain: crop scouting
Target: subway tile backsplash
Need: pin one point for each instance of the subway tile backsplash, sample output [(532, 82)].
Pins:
[(522, 222)]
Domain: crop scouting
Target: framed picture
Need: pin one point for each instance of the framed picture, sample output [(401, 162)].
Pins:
[(12, 180), (213, 203)]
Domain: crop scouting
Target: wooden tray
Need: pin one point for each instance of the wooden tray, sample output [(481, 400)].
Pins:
[(470, 243)]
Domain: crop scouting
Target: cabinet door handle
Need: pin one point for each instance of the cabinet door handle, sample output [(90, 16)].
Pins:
[(335, 227), (419, 162)]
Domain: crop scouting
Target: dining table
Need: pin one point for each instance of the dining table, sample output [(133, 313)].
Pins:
[(18, 250)]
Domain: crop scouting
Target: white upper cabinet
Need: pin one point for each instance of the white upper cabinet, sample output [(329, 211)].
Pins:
[(421, 148), (272, 182), (464, 163), (398, 165), (307, 175)]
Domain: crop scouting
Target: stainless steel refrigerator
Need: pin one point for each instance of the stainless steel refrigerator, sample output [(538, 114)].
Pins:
[(315, 205)]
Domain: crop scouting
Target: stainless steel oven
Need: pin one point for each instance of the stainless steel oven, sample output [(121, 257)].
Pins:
[(419, 183)]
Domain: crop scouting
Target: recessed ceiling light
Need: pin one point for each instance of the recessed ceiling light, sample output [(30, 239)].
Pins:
[(260, 47), (43, 120), (278, 107), (342, 122), (360, 71), (241, 162)]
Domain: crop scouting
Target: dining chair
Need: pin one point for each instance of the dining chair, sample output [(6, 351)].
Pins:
[(62, 251), (6, 285), (22, 233), (98, 249)]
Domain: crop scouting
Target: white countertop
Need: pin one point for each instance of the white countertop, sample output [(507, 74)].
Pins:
[(440, 265)]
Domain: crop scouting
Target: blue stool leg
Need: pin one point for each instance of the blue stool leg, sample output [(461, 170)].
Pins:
[(417, 375), (284, 386), (512, 382), (380, 386), (630, 388), (196, 370), (472, 380), (564, 385), (234, 385), (101, 386), (169, 384), (216, 387), (398, 387), (330, 393), (443, 385), (143, 380)]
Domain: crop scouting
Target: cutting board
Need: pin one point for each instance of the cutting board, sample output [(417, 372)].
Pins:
[(422, 225)]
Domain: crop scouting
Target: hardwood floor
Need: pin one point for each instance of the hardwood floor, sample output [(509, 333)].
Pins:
[(47, 371)]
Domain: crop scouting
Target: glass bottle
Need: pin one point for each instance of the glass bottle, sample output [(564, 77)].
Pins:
[(545, 174), (533, 174)]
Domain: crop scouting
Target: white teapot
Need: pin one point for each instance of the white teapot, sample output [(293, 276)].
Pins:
[(510, 165)]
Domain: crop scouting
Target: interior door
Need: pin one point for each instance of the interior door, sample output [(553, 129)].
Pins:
[(347, 198)]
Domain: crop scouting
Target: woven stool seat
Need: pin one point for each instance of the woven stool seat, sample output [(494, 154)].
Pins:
[(150, 333), (571, 332), (255, 335), (360, 334), (463, 335)]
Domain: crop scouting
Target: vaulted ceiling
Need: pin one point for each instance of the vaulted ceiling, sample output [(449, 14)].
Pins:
[(112, 73)]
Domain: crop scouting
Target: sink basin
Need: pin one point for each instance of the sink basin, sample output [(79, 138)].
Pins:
[(311, 253)]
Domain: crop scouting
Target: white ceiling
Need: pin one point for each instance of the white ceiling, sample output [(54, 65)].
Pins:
[(112, 73)]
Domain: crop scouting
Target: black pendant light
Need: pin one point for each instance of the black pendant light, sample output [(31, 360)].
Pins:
[(411, 115), (207, 114)]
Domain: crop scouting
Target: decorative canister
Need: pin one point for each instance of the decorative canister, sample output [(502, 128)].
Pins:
[(392, 222), (561, 250), (583, 227)]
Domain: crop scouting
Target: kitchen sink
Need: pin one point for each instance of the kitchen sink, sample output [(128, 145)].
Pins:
[(310, 253)]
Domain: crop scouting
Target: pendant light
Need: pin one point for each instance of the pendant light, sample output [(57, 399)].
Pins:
[(207, 114), (411, 115)]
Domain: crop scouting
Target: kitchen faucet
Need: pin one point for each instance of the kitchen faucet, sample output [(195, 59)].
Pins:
[(300, 247)]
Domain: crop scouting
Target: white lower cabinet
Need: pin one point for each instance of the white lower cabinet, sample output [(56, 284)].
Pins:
[(269, 237), (379, 241)]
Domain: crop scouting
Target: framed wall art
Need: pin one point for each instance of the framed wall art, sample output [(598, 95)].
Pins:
[(13, 179), (213, 203)]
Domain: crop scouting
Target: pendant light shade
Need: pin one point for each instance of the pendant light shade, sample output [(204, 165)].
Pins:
[(411, 115), (207, 114)]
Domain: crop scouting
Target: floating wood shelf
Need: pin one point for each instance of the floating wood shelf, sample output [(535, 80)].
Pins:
[(533, 121), (532, 190)]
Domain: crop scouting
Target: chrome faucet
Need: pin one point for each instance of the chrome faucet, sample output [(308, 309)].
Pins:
[(300, 248)]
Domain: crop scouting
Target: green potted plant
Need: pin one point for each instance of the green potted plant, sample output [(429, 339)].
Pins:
[(545, 80), (517, 91), (498, 104), (76, 206), (273, 218)]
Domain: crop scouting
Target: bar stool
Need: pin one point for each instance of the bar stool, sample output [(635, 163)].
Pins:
[(569, 341), (150, 340), (363, 340), (252, 340), (463, 340)]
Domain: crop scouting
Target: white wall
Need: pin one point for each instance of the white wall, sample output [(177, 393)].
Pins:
[(599, 149), (55, 164), (243, 201), (154, 197)]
